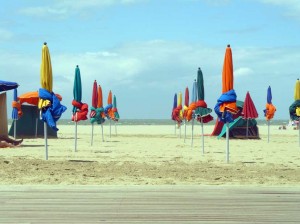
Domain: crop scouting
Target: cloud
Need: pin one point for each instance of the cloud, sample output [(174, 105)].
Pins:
[(145, 75), (64, 8), (5, 35), (292, 7)]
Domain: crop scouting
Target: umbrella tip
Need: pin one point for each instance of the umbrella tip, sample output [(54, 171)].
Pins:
[(199, 68), (76, 66), (45, 43), (228, 45)]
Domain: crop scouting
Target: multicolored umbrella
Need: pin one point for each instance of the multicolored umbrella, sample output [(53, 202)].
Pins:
[(295, 107), (185, 109), (249, 111), (93, 108), (226, 105), (108, 111), (270, 110), (80, 110), (177, 109), (100, 109), (49, 104), (202, 113)]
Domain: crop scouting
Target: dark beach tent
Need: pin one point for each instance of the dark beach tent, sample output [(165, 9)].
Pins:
[(30, 125)]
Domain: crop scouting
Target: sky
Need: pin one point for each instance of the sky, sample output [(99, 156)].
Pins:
[(145, 51)]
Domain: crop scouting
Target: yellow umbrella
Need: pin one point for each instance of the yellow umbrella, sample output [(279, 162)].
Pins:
[(297, 90), (46, 74)]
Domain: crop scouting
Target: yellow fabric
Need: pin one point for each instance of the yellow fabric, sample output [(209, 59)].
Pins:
[(46, 75), (179, 102), (297, 91), (298, 111)]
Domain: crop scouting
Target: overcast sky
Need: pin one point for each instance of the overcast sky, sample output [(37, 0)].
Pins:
[(145, 51)]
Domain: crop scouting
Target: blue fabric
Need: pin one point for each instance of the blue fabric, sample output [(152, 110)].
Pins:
[(52, 113), (269, 95), (109, 106), (227, 97), (14, 114), (5, 85), (175, 101)]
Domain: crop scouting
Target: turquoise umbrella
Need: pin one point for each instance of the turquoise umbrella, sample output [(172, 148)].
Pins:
[(77, 94), (116, 113)]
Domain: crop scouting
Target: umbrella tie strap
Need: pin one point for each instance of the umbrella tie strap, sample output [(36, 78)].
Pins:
[(81, 111)]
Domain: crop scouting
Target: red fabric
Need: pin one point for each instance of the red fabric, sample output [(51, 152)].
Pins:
[(82, 111), (249, 110), (186, 97), (17, 105), (95, 95), (176, 114)]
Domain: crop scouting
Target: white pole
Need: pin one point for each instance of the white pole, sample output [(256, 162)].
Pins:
[(227, 141), (202, 136), (110, 128), (268, 131), (247, 128), (75, 136), (15, 129), (193, 131), (46, 139), (184, 130), (116, 128), (180, 131), (92, 134), (175, 128), (36, 126), (102, 132)]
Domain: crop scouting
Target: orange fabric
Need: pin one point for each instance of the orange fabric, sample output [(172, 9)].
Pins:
[(109, 99), (32, 98), (82, 111), (227, 74), (190, 109), (17, 105), (270, 111), (231, 107)]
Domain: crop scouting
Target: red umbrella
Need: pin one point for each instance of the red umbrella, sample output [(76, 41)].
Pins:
[(94, 106), (249, 110)]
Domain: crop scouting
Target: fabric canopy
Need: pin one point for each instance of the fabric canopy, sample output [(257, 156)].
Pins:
[(249, 110), (5, 85)]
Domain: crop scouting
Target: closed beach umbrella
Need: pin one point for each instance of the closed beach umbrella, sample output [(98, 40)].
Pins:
[(48, 103), (295, 107), (94, 107), (202, 112), (185, 108), (108, 110), (193, 107), (226, 105), (270, 110), (80, 110), (249, 111), (116, 113), (101, 109), (173, 110)]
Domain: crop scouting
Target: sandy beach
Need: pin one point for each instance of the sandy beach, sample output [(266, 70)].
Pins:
[(153, 155)]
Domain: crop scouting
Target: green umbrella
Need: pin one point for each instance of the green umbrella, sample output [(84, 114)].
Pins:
[(116, 114), (77, 93)]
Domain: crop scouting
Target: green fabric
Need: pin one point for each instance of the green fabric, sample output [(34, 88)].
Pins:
[(292, 110), (200, 85), (117, 116), (97, 118), (77, 88), (203, 111)]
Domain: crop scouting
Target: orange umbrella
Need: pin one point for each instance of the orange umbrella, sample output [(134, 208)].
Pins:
[(33, 98)]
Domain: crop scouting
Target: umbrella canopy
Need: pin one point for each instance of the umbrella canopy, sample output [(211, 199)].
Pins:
[(249, 110), (33, 98), (115, 110), (95, 95), (174, 106), (186, 102), (295, 107), (16, 112), (5, 85), (97, 110), (100, 97), (192, 106), (49, 103), (202, 112), (177, 108), (226, 105), (80, 110), (270, 108)]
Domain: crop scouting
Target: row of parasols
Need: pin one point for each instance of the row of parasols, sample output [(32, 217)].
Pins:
[(226, 107), (51, 109)]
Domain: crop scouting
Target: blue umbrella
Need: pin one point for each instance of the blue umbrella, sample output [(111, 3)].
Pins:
[(269, 95), (174, 107)]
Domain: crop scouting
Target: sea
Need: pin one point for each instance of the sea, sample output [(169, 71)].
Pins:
[(158, 122)]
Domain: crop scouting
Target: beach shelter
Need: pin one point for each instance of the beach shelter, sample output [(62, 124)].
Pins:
[(108, 110), (49, 104), (202, 113), (5, 86), (29, 124), (185, 108), (116, 113), (295, 107), (226, 104), (249, 111), (93, 108), (80, 110)]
